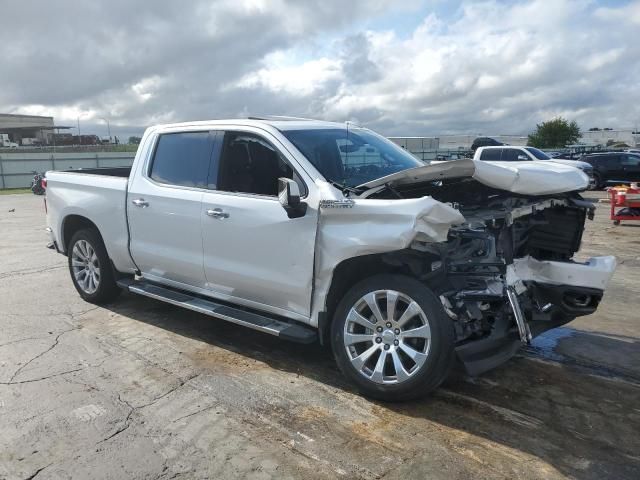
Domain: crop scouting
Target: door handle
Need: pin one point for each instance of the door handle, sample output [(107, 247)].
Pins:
[(140, 202), (217, 213)]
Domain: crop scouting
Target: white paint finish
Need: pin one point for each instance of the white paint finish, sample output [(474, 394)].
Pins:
[(99, 198), (258, 253), (596, 272), (166, 238), (374, 226), (525, 178)]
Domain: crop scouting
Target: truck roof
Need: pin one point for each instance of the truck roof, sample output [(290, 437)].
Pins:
[(280, 123)]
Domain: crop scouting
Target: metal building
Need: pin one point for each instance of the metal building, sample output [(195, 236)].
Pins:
[(27, 129)]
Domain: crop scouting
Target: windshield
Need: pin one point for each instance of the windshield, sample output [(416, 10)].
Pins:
[(539, 154), (351, 156)]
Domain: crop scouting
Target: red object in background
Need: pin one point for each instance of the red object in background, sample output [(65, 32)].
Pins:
[(624, 198), (43, 183)]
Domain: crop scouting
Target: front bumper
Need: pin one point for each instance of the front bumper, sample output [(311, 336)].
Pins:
[(541, 295)]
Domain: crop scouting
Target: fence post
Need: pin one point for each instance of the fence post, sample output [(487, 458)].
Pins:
[(53, 161), (97, 160), (2, 172)]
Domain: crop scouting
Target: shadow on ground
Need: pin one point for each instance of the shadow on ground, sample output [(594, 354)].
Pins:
[(581, 420)]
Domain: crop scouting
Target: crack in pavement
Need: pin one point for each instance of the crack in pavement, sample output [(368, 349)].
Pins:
[(37, 472), (28, 271), (127, 421), (51, 347)]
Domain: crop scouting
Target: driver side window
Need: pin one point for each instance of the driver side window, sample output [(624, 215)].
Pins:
[(250, 164)]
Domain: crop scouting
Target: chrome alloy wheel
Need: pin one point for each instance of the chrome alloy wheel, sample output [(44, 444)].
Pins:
[(387, 336), (85, 266)]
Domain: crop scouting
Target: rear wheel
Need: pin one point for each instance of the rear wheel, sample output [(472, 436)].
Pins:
[(598, 185), (90, 268), (392, 338)]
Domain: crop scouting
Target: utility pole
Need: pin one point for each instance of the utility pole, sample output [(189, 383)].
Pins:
[(108, 127)]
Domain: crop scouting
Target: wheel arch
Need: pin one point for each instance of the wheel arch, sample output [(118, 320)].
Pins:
[(412, 263), (73, 223)]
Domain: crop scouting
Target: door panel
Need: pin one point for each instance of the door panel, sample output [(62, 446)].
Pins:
[(631, 167), (164, 209), (253, 252), (258, 254)]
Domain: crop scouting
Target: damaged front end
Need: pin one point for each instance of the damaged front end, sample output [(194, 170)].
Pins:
[(507, 274)]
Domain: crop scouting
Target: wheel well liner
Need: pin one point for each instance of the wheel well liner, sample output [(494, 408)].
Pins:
[(71, 224)]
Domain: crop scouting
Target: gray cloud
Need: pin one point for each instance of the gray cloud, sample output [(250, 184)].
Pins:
[(139, 63)]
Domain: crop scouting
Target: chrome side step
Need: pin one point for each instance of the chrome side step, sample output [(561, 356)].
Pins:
[(279, 328)]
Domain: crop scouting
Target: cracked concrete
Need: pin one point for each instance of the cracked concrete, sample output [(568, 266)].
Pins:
[(140, 389)]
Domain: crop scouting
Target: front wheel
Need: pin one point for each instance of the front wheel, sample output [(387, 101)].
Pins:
[(392, 338), (90, 267)]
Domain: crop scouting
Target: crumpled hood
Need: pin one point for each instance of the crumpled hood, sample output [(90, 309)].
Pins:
[(525, 178)]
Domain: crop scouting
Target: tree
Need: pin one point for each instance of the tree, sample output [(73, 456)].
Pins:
[(134, 140), (555, 133)]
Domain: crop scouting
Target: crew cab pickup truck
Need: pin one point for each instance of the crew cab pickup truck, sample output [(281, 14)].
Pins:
[(508, 153), (317, 231)]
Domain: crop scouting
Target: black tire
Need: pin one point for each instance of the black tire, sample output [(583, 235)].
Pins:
[(107, 290), (598, 182), (440, 353)]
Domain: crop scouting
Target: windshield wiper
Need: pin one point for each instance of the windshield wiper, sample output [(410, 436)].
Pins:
[(345, 189)]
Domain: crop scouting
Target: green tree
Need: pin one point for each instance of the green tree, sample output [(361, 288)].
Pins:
[(134, 140), (555, 133)]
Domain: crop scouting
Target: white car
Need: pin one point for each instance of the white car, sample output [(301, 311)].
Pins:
[(318, 231)]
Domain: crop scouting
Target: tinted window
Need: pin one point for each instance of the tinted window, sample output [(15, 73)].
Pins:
[(351, 156), (182, 159), (511, 154), (250, 164), (491, 154), (630, 160)]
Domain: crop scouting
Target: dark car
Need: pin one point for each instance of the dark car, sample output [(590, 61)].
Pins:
[(612, 168), (485, 142)]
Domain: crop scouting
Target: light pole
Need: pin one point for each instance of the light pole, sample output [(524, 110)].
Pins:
[(108, 127)]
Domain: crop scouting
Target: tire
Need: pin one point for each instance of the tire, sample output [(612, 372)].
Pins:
[(598, 182), (87, 253), (360, 362)]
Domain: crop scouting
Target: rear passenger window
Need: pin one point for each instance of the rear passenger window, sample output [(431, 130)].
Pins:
[(250, 164), (182, 159), (491, 154)]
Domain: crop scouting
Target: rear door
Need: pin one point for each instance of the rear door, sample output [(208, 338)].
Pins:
[(254, 254), (164, 209)]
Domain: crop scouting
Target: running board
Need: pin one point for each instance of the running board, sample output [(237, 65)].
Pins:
[(272, 326)]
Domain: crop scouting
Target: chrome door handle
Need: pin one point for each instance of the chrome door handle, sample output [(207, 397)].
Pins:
[(217, 213), (140, 202)]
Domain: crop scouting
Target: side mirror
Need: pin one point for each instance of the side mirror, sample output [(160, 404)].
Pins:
[(289, 197), (523, 158)]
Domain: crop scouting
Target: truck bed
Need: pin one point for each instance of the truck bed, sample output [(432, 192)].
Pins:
[(97, 194)]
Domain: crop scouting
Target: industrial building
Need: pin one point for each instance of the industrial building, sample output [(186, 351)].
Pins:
[(27, 129)]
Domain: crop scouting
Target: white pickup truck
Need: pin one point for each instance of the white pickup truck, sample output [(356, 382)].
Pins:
[(318, 231), (509, 153)]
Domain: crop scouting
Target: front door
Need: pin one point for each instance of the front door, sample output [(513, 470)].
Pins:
[(631, 167), (254, 254), (164, 209)]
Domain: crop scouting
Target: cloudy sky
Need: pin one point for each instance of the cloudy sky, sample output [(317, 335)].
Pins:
[(411, 67)]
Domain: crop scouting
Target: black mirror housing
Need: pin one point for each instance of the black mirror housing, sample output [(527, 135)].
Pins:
[(289, 198)]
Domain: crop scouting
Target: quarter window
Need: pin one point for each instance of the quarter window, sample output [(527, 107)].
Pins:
[(182, 159)]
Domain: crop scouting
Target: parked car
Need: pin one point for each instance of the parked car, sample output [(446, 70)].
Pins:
[(526, 154), (317, 231), (611, 168), (484, 142)]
